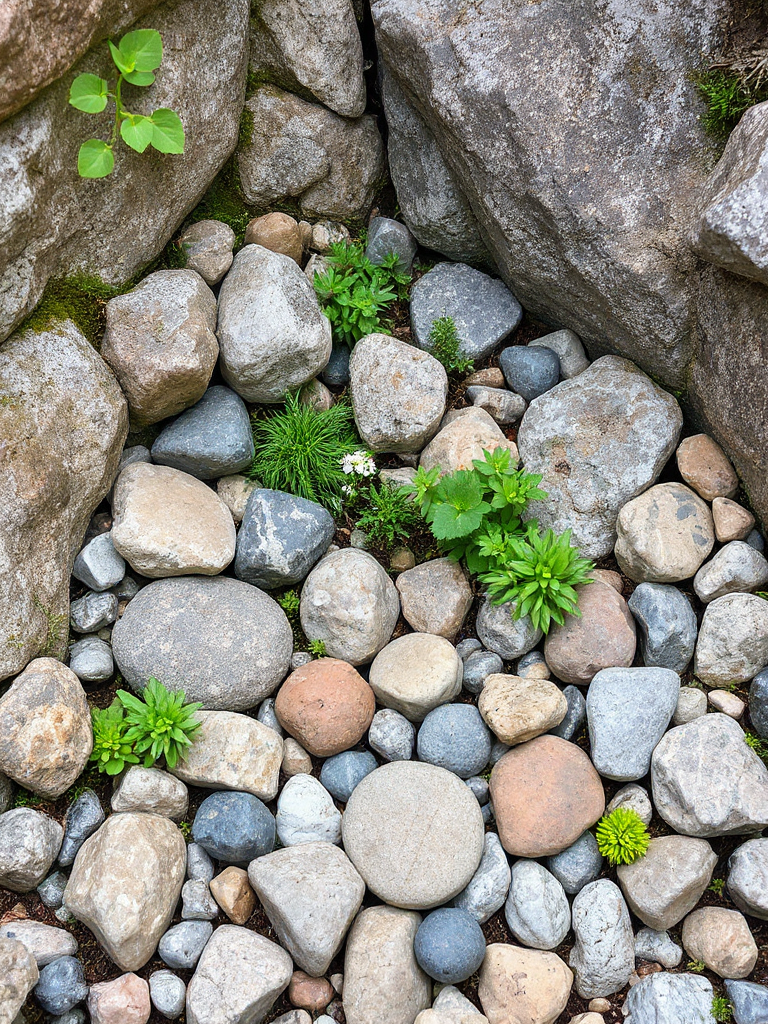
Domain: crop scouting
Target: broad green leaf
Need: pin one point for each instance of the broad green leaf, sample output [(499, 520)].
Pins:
[(89, 93), (139, 77), (95, 159), (168, 134), (142, 49), (121, 63), (137, 131)]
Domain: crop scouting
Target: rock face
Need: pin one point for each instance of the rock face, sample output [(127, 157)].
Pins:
[(29, 844), (55, 214), (665, 884), (599, 440), (670, 998), (62, 443), (435, 597), (518, 986), (223, 642), (125, 883), (45, 728)]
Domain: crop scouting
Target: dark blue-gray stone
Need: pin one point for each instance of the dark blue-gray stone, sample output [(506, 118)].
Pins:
[(61, 985), (478, 666), (750, 1001), (577, 866), (81, 820), (484, 310), (281, 538), (466, 647), (480, 788), (756, 541), (455, 737), (342, 772), (211, 439), (182, 945), (449, 945), (574, 716), (92, 611), (667, 625), (234, 827), (387, 236), (336, 372), (530, 371), (758, 703), (51, 890)]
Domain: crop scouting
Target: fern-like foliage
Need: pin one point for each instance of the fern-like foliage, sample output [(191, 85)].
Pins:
[(389, 515)]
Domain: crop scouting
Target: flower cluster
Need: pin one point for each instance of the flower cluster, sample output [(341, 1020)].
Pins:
[(358, 466)]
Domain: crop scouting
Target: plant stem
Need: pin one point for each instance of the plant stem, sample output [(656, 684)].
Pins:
[(118, 112)]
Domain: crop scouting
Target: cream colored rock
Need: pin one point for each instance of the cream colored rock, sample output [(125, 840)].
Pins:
[(588, 1018), (463, 439), (167, 523), (667, 883), (517, 709), (18, 976), (277, 232), (416, 673), (523, 986), (704, 466), (296, 761), (722, 940), (728, 703), (435, 596), (151, 790), (732, 521), (235, 491), (233, 751)]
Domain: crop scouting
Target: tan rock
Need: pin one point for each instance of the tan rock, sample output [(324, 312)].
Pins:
[(149, 789), (234, 491), (122, 1001), (728, 703), (667, 883), (722, 940), (309, 993), (296, 761), (326, 705), (599, 1005), (45, 728), (401, 560), (613, 579), (523, 986), (704, 465), (18, 976), (435, 597), (167, 523), (732, 521), (602, 636), (277, 232), (588, 1018), (316, 395), (464, 439), (545, 794), (490, 377), (517, 709), (232, 891), (415, 673), (325, 233)]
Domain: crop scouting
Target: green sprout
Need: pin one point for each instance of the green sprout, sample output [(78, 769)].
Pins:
[(622, 837)]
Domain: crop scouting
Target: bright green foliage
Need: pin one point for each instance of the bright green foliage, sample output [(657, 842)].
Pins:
[(111, 750), (717, 886), (317, 647), (300, 450), (161, 724), (289, 602), (136, 57), (389, 514), (722, 1010), (757, 744), (727, 96), (354, 293), (622, 837), (185, 827), (445, 345), (697, 966)]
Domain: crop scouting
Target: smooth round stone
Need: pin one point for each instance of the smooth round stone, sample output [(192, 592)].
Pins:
[(341, 773), (530, 371), (306, 813), (477, 667), (732, 521), (392, 735), (29, 843), (526, 985), (487, 889), (728, 703), (691, 703), (506, 636), (210, 440), (632, 798), (82, 819), (168, 993), (569, 349), (416, 673), (735, 568), (537, 909), (61, 986), (667, 883), (91, 612), (415, 833), (603, 954), (455, 737), (277, 232), (336, 371), (657, 947), (518, 709), (533, 665), (748, 878), (722, 939), (91, 660), (467, 647), (704, 466), (575, 716), (758, 703), (578, 865), (449, 945), (234, 827), (435, 597), (98, 565), (667, 625), (182, 945), (733, 640)]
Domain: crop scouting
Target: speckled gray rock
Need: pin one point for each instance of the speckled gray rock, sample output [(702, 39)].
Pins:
[(44, 942), (634, 798), (281, 537), (569, 349), (449, 945), (736, 568), (480, 788), (168, 993), (758, 703), (398, 394), (29, 843), (466, 647), (455, 737), (692, 703), (502, 634), (477, 667), (92, 611), (222, 641), (733, 640), (149, 789), (628, 711), (197, 903), (51, 889), (487, 889), (341, 773), (530, 371), (707, 781), (207, 246), (577, 866), (210, 440), (415, 673), (435, 597), (537, 909), (504, 406), (666, 624), (575, 716), (98, 565), (306, 813), (670, 999), (266, 714), (91, 660), (349, 602), (386, 237), (310, 893), (199, 863), (84, 815), (748, 878), (18, 974), (7, 793), (234, 827), (484, 310), (599, 440), (603, 955), (749, 1000), (667, 883), (392, 735), (657, 947), (182, 945), (61, 986)]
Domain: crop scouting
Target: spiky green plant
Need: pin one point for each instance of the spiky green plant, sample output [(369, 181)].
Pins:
[(722, 1010), (389, 514), (622, 837), (445, 346), (112, 750), (160, 724), (727, 96), (717, 886), (289, 602)]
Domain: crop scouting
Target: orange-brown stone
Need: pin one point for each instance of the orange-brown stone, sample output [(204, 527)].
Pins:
[(232, 891), (307, 993)]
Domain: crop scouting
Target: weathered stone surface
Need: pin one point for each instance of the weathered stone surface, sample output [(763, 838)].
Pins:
[(537, 909), (84, 816), (504, 406), (500, 632), (735, 568), (748, 878), (463, 439), (233, 893), (306, 813), (518, 709), (487, 889), (222, 641), (633, 798), (749, 1000), (235, 491), (569, 350), (415, 673), (732, 521), (665, 884), (18, 975), (523, 986), (62, 442), (705, 467), (182, 945), (577, 865), (388, 237), (125, 883), (670, 998), (733, 640), (277, 232), (45, 728), (29, 844), (44, 942), (311, 893), (657, 947), (603, 955), (210, 440), (98, 565), (125, 1000), (598, 440), (602, 636), (435, 597), (722, 940), (149, 789), (667, 623), (207, 247)]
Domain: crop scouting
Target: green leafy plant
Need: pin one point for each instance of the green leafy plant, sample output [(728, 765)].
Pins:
[(697, 966), (301, 450), (622, 837), (722, 1010), (185, 828), (717, 886), (137, 56), (112, 751), (317, 648), (727, 96), (160, 724), (756, 743), (445, 345), (289, 602), (389, 514)]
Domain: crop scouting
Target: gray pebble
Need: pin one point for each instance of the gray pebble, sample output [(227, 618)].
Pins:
[(449, 945), (657, 947), (61, 986), (667, 625), (466, 647), (530, 371), (633, 798), (92, 611), (537, 909), (498, 750), (477, 667), (182, 945), (755, 540), (168, 993), (126, 589), (336, 372), (455, 737), (266, 714), (533, 664), (387, 236), (98, 565), (82, 819), (487, 811), (391, 735), (480, 788), (234, 827), (342, 772), (91, 660), (487, 889), (758, 703), (199, 863), (75, 1016), (197, 902), (51, 890), (580, 864), (299, 658), (575, 716), (750, 1001)]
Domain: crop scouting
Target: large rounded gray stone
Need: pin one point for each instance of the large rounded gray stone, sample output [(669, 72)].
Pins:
[(29, 844), (666, 884), (603, 955), (537, 909), (669, 999), (222, 641), (733, 640)]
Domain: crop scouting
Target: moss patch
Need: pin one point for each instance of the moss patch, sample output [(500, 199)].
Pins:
[(81, 298), (225, 201)]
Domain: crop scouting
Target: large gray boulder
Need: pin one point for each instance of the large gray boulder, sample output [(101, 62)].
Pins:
[(53, 215), (63, 422), (669, 999)]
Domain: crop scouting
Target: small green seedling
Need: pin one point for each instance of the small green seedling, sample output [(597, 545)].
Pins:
[(717, 886), (722, 1010), (136, 57), (317, 648), (290, 602), (622, 837), (697, 966)]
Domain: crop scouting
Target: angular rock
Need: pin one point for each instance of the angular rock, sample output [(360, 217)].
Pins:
[(705, 467), (29, 844), (601, 636), (578, 865), (435, 597), (487, 890), (98, 565), (732, 521), (235, 491), (416, 673), (521, 985), (463, 439), (504, 406), (603, 955), (518, 709), (296, 761), (634, 798), (391, 735), (44, 942), (748, 878), (306, 813), (149, 789), (207, 246), (669, 999), (722, 940), (667, 625), (569, 350), (197, 903), (667, 883), (182, 945), (233, 751), (199, 864), (84, 816), (537, 909), (233, 893), (575, 716), (657, 947), (122, 1001), (733, 640), (93, 612), (503, 634), (735, 568), (750, 1001), (18, 976), (61, 986)]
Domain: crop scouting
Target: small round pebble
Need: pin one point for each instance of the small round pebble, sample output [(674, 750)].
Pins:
[(183, 944), (533, 666), (728, 703), (633, 798), (454, 736), (234, 827), (168, 993), (61, 986), (580, 864), (530, 371), (51, 889), (469, 646), (691, 703), (342, 772), (480, 788), (449, 945), (392, 735), (91, 660), (477, 667)]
